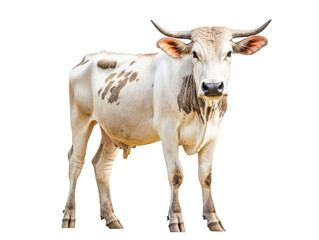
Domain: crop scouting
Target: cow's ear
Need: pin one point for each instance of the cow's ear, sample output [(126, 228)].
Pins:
[(250, 45), (174, 47)]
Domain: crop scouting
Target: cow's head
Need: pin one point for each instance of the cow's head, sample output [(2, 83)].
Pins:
[(211, 49)]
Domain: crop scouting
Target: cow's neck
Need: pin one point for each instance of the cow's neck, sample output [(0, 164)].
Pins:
[(202, 114)]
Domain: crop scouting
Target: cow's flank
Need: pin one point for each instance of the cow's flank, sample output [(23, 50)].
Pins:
[(105, 64)]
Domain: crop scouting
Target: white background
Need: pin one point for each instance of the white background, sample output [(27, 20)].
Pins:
[(265, 171)]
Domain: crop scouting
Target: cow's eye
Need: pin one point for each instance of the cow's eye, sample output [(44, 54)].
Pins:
[(229, 54), (195, 55)]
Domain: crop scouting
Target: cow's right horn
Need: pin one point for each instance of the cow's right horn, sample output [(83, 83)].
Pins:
[(175, 34), (247, 33)]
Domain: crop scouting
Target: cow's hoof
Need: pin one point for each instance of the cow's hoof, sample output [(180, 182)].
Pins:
[(216, 227), (68, 220), (176, 227), (115, 225)]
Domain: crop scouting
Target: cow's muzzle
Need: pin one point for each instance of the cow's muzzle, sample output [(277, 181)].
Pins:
[(213, 89)]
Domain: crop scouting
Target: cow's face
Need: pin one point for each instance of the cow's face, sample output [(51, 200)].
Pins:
[(211, 49)]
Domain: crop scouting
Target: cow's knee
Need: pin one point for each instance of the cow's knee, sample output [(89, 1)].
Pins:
[(205, 179), (176, 177)]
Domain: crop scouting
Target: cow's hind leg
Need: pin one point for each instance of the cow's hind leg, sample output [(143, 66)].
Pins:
[(205, 158), (103, 162), (82, 126)]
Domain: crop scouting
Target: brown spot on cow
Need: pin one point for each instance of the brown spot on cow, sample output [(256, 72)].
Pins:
[(115, 91), (132, 63), (222, 106), (110, 77), (208, 113), (187, 97), (107, 89), (98, 93), (127, 74), (177, 178), (202, 104), (208, 180), (120, 74), (82, 62), (133, 76), (105, 64)]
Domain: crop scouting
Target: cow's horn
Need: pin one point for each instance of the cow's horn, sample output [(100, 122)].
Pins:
[(246, 33), (175, 34)]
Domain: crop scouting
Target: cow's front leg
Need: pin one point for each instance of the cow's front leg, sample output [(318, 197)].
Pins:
[(205, 158), (169, 140)]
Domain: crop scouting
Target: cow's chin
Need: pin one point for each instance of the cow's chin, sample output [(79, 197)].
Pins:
[(211, 98)]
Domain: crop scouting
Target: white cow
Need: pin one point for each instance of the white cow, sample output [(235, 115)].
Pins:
[(178, 97)]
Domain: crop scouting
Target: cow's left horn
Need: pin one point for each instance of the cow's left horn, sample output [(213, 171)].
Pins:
[(175, 34), (246, 33)]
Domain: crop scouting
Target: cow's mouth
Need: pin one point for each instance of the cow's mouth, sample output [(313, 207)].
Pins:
[(212, 98)]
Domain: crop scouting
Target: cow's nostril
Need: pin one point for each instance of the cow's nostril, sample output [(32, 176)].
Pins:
[(221, 86), (204, 87)]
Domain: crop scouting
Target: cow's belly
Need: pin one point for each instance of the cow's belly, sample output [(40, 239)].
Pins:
[(124, 129)]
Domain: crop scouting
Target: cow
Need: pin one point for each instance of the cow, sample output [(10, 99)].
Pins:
[(178, 97)]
